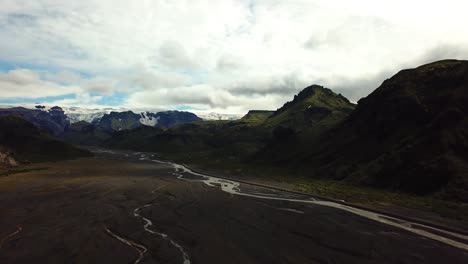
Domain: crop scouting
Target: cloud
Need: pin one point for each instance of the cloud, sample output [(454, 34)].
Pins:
[(224, 55), (201, 97), (444, 51), (99, 85), (173, 55), (23, 83), (141, 77), (80, 99), (65, 77)]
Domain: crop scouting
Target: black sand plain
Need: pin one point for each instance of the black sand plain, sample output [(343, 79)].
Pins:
[(76, 211)]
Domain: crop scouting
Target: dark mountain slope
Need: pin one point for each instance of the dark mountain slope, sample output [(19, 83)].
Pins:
[(84, 133), (54, 121), (27, 143), (410, 134)]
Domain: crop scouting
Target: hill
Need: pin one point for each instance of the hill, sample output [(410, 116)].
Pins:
[(298, 123), (53, 120), (23, 142), (315, 106)]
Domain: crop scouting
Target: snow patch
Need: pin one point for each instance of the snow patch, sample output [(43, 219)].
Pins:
[(148, 120), (216, 116)]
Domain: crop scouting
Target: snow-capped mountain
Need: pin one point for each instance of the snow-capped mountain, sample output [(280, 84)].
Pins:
[(90, 115), (115, 121), (76, 114), (148, 119), (110, 119), (52, 119)]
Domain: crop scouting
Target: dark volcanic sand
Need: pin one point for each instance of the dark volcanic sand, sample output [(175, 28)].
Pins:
[(63, 212)]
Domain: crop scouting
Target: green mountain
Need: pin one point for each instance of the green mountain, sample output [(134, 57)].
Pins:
[(314, 107), (24, 142), (410, 134), (297, 124)]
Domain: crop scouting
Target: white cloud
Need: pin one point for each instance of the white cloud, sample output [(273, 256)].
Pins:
[(227, 54), (202, 97), (64, 76), (80, 99), (23, 83), (99, 85)]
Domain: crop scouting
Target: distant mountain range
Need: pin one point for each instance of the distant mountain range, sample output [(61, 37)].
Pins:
[(53, 120), (116, 121), (57, 120)]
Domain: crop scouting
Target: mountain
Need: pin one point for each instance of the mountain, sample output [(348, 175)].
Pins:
[(23, 142), (53, 120), (116, 121), (314, 106), (77, 114), (312, 112), (169, 118), (90, 115), (84, 133), (410, 134)]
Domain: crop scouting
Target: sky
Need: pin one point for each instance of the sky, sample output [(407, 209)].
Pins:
[(225, 56)]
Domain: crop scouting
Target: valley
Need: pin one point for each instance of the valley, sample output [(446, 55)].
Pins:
[(319, 180), (129, 207), (233, 132)]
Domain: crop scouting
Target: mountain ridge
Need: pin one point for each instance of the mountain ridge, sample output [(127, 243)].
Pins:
[(410, 134)]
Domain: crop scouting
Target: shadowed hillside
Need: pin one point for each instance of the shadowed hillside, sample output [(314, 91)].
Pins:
[(27, 143)]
